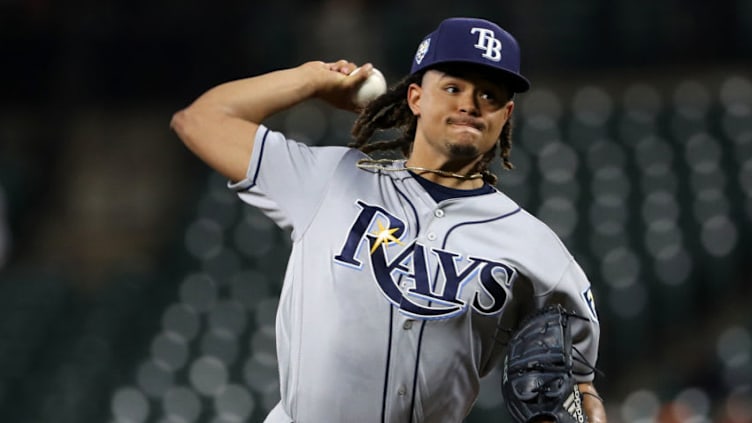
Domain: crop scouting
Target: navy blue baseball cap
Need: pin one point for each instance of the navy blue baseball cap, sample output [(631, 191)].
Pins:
[(476, 41)]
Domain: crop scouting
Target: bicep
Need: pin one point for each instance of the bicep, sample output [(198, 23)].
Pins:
[(223, 142)]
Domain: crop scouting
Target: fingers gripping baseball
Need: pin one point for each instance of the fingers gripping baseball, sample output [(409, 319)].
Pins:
[(347, 86), (368, 90), (342, 66)]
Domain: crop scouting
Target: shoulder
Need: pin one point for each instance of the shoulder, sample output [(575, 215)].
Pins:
[(278, 142), (518, 219), (535, 245), (536, 228)]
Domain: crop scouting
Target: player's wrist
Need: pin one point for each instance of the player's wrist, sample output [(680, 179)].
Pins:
[(306, 79), (592, 403)]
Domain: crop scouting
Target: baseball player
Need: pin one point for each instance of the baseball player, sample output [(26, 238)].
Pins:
[(407, 277)]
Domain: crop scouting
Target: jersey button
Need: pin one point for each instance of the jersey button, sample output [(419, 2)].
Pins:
[(431, 236), (438, 213), (401, 391), (407, 325)]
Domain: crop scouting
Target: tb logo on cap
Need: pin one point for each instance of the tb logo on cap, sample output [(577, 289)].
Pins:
[(487, 42)]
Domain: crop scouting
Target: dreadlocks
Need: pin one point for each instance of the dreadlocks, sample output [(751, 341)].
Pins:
[(390, 111)]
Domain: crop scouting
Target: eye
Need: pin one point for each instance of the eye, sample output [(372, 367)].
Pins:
[(490, 98), (452, 89)]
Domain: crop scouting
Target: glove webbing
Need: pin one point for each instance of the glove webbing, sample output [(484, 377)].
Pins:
[(578, 357)]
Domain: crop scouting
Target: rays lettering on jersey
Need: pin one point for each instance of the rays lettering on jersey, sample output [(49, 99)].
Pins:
[(381, 232)]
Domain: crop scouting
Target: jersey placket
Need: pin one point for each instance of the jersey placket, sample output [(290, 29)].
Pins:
[(407, 333)]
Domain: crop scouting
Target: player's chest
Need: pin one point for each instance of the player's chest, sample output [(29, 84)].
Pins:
[(431, 262)]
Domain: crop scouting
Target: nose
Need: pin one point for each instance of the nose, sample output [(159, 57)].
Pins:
[(468, 102)]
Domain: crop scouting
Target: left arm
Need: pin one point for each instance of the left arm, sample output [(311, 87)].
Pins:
[(592, 403)]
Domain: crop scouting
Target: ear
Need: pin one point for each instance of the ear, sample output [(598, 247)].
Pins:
[(508, 108), (414, 92)]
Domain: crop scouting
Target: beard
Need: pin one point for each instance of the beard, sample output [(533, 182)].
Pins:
[(465, 151)]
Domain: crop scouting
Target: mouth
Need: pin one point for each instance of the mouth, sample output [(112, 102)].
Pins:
[(466, 123)]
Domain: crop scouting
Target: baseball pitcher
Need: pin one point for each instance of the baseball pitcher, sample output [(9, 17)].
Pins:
[(410, 277)]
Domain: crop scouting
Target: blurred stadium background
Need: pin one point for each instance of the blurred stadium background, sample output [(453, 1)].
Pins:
[(135, 288)]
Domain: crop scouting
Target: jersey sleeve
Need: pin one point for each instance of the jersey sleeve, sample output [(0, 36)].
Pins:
[(557, 278), (574, 292), (287, 179)]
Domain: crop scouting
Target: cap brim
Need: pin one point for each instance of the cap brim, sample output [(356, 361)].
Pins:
[(516, 82)]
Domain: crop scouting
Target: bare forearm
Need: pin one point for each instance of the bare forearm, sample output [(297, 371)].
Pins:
[(257, 98), (592, 403), (220, 125)]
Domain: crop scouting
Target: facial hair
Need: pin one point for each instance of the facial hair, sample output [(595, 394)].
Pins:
[(463, 150)]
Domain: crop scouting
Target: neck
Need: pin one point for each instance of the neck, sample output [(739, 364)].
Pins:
[(446, 174)]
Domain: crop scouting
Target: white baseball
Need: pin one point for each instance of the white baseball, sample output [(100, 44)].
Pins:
[(372, 87)]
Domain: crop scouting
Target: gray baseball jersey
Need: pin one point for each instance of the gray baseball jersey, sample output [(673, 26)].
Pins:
[(395, 305)]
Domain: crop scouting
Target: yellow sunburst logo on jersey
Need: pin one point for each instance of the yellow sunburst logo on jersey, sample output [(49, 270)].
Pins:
[(384, 236)]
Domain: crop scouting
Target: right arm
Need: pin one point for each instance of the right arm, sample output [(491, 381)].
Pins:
[(219, 126)]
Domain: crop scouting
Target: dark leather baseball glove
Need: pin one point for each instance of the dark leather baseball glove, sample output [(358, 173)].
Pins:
[(537, 381)]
